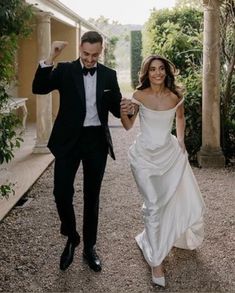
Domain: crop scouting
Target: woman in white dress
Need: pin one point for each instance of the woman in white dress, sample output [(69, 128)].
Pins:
[(173, 206)]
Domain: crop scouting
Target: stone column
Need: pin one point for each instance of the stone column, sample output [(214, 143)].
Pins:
[(43, 102), (210, 154), (78, 41), (79, 28)]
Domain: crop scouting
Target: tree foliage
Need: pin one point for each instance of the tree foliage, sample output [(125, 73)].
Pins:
[(110, 59), (15, 18), (136, 57), (197, 4), (227, 25), (176, 34)]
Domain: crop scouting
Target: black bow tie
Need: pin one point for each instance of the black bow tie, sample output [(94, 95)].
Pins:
[(92, 70)]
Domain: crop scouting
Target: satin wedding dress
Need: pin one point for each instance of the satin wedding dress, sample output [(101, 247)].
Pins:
[(173, 206)]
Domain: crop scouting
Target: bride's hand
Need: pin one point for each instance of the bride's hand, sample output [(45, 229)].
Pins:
[(182, 145), (127, 107)]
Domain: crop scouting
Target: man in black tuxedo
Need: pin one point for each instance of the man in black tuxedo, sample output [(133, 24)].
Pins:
[(88, 91)]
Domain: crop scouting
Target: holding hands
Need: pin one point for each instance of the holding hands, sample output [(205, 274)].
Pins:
[(127, 107)]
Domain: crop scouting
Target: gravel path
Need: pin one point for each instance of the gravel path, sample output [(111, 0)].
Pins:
[(30, 244)]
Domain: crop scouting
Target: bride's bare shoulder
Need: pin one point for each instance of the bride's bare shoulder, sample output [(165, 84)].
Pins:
[(173, 97), (139, 94), (136, 95)]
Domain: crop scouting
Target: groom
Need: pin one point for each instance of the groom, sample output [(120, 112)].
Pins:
[(88, 92)]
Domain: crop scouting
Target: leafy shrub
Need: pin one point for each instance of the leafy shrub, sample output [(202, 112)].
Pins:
[(15, 18)]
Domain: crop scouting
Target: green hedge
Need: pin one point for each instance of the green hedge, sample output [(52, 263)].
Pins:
[(136, 58)]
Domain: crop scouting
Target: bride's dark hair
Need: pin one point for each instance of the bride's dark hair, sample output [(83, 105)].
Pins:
[(170, 75)]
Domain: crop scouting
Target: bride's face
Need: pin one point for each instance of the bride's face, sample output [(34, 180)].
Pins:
[(157, 72)]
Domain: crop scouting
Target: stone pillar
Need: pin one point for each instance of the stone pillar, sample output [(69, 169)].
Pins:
[(210, 154), (79, 28), (79, 35), (43, 102)]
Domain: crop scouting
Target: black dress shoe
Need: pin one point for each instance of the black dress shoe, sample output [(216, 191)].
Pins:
[(67, 256), (93, 260)]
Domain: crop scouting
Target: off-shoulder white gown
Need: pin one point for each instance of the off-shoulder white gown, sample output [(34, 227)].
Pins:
[(173, 206)]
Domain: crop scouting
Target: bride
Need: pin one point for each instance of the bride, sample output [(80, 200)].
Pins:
[(172, 203)]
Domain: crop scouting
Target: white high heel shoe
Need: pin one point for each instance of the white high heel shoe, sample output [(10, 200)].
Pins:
[(160, 281)]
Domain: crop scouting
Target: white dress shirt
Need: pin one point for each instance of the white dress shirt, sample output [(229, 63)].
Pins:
[(91, 118)]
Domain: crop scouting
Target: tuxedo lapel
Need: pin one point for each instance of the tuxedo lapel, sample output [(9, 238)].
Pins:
[(79, 83), (99, 88)]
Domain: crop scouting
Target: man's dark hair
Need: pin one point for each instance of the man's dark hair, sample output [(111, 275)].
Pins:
[(91, 37)]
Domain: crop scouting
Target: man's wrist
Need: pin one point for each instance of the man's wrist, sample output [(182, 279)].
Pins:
[(49, 61), (44, 65)]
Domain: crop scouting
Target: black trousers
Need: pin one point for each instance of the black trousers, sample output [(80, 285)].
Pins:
[(92, 151)]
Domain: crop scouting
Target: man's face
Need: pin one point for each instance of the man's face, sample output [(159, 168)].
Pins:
[(90, 53)]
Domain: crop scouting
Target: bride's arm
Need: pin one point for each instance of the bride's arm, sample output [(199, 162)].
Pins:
[(127, 119), (180, 125)]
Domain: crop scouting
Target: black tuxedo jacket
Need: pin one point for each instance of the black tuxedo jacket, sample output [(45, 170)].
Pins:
[(67, 78)]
